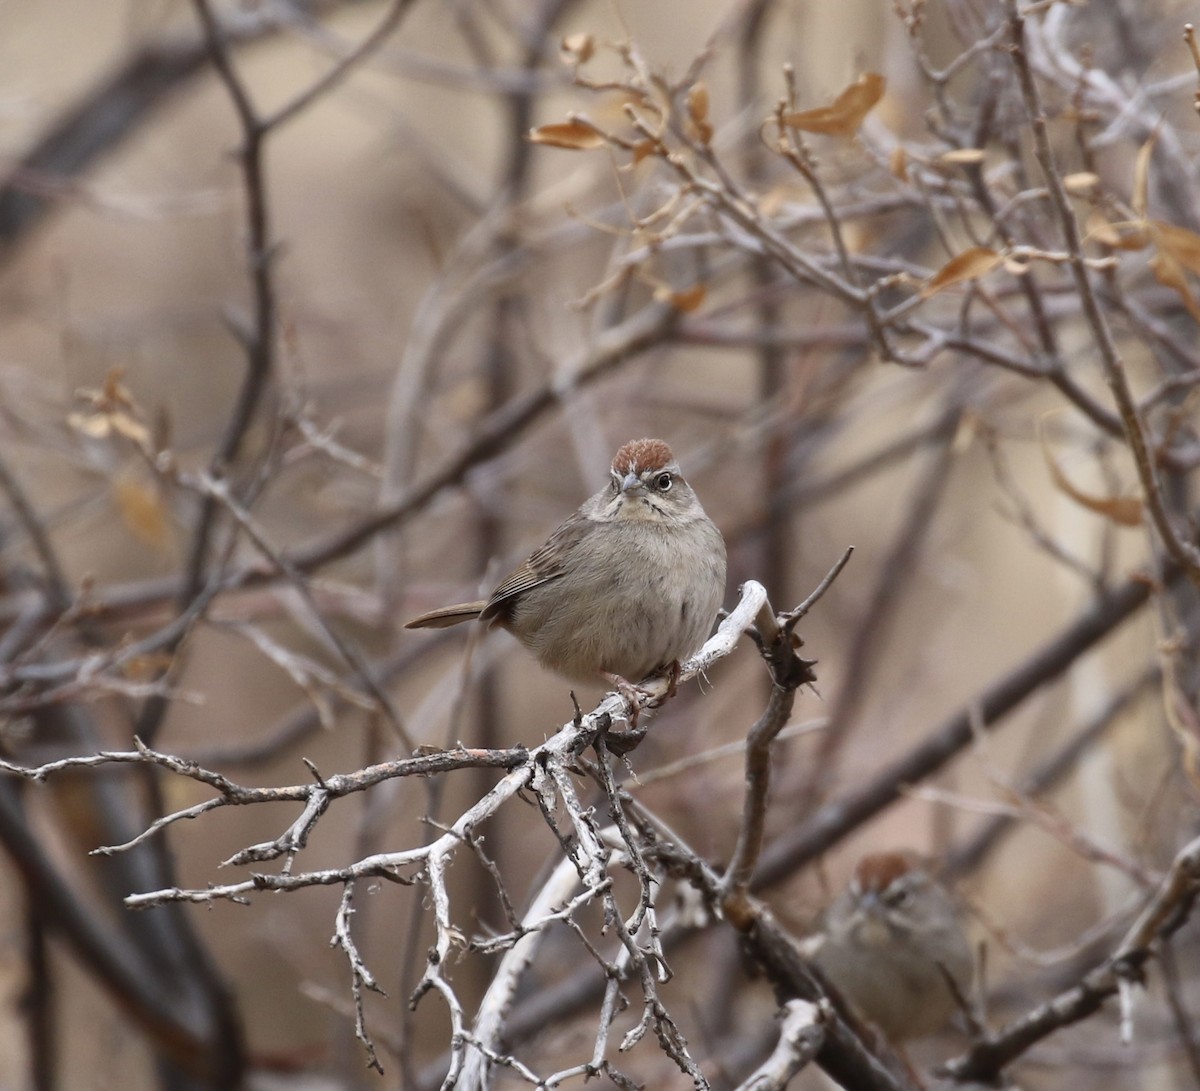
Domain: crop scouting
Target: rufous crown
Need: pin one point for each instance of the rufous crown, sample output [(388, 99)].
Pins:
[(639, 455)]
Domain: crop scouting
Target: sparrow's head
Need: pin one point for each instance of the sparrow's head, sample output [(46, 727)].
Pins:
[(894, 948), (646, 484), (892, 898)]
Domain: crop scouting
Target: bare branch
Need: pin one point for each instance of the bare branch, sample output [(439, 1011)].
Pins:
[(801, 1036)]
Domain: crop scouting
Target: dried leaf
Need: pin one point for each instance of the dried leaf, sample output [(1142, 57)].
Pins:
[(697, 104), (103, 425), (143, 511), (1170, 274), (124, 425), (578, 48), (146, 668), (1125, 511), (1081, 184), (1183, 245), (573, 135), (898, 163), (642, 149), (115, 391), (845, 114), (1127, 235), (687, 300), (113, 411), (1141, 176), (969, 265), (96, 425), (962, 157)]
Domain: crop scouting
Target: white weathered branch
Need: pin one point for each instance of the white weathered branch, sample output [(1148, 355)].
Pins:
[(554, 754), (800, 1039)]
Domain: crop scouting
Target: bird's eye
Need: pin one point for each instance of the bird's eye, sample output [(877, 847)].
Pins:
[(662, 482), (899, 896)]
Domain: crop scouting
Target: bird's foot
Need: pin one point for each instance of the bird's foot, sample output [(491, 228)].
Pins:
[(634, 696)]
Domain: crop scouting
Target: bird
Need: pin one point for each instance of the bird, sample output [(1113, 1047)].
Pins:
[(624, 589), (891, 944)]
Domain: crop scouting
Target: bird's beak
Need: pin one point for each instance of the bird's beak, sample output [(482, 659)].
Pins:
[(871, 925), (631, 482), (871, 904)]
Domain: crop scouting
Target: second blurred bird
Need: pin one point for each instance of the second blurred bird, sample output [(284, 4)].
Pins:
[(891, 944)]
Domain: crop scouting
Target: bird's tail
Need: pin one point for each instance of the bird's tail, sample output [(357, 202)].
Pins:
[(447, 616)]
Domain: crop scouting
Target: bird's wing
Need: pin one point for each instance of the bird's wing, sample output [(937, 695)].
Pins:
[(544, 565)]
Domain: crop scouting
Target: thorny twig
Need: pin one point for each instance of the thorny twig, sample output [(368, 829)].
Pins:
[(964, 179), (777, 642)]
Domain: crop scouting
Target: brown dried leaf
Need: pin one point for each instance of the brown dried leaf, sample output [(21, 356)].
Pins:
[(1183, 245), (578, 48), (124, 425), (643, 148), (697, 104), (95, 425), (1128, 235), (1141, 176), (103, 425), (687, 300), (572, 135), (146, 668), (1125, 511), (971, 264), (1081, 184), (962, 157), (845, 114), (1170, 274), (115, 391), (143, 511)]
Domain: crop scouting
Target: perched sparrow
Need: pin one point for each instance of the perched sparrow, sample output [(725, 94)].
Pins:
[(890, 941), (627, 587)]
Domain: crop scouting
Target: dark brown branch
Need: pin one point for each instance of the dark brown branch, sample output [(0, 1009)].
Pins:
[(58, 591), (260, 341), (777, 644)]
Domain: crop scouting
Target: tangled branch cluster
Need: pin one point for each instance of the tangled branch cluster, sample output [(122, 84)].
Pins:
[(893, 280)]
